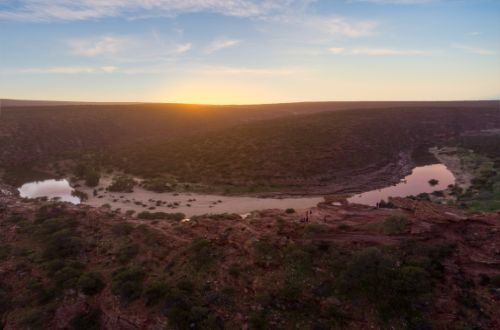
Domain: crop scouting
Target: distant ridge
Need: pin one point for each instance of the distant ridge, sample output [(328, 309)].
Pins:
[(10, 103), (337, 105)]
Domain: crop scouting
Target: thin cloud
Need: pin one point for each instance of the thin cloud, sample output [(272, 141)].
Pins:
[(475, 50), (337, 50), (380, 51), (396, 2), (342, 26), (95, 47), (69, 70), (70, 10), (220, 44), (183, 48), (226, 70)]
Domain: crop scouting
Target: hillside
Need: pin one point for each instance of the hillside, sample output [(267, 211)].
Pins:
[(417, 266), (327, 152)]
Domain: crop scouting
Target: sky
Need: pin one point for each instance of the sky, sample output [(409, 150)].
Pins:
[(249, 51)]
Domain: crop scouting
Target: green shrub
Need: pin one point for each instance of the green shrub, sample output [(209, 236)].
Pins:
[(91, 283), (122, 229), (344, 226), (92, 178), (127, 283), (41, 293), (4, 251), (122, 183), (313, 229), (202, 254), (83, 196), (265, 253), (161, 216), (290, 211), (62, 245), (368, 274), (159, 185), (88, 320), (68, 276), (127, 252), (155, 292), (395, 225), (396, 292), (36, 318), (495, 281), (258, 320), (234, 270), (433, 182)]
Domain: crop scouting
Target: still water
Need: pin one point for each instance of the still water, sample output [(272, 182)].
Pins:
[(415, 183), (58, 189)]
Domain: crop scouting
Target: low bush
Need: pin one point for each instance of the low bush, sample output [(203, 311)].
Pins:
[(122, 229), (374, 276), (68, 276), (87, 320), (83, 196), (156, 292), (62, 245), (433, 182), (202, 254), (160, 184), (127, 283), (91, 283), (395, 225), (127, 252), (122, 183), (4, 251), (161, 216)]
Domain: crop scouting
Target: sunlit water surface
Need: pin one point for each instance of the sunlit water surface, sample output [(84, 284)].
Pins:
[(415, 183), (58, 189)]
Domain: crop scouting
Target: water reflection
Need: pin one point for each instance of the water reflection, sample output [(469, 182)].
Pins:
[(58, 189), (415, 183)]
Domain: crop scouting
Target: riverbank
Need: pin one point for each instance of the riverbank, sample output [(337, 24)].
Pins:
[(449, 156), (190, 204)]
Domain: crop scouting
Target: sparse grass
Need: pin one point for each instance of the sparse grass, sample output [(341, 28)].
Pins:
[(395, 225), (91, 283), (161, 216), (127, 283)]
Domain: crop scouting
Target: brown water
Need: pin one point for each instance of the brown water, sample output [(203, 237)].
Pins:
[(415, 183)]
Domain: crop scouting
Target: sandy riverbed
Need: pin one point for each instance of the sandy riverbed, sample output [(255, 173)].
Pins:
[(190, 203), (448, 156)]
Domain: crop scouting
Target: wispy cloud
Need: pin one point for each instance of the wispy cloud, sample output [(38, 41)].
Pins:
[(397, 2), (98, 46), (380, 51), (473, 34), (221, 43), (69, 70), (227, 70), (475, 50), (70, 10), (341, 26), (183, 48), (129, 48)]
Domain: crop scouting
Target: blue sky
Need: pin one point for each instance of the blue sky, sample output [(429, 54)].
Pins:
[(249, 51)]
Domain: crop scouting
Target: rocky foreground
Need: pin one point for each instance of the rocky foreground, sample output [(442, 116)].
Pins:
[(417, 265)]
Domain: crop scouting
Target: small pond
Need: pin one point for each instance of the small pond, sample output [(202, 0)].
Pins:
[(415, 183), (57, 189)]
